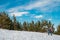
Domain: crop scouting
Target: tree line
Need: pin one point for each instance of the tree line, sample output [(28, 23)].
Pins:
[(39, 26)]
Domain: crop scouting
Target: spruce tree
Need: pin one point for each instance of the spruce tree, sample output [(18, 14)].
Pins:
[(58, 29)]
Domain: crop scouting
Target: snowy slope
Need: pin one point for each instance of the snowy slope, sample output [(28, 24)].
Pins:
[(24, 35)]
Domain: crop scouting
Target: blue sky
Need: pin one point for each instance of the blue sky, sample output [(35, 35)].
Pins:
[(28, 10)]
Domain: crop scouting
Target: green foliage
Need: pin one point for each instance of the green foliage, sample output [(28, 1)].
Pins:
[(19, 26), (5, 21), (25, 26), (58, 30), (12, 24), (49, 24)]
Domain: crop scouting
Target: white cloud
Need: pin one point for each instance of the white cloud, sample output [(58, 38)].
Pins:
[(44, 6), (31, 5), (37, 4), (15, 11), (49, 19), (18, 13), (39, 16)]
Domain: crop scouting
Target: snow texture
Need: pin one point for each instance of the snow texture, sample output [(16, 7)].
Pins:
[(24, 35)]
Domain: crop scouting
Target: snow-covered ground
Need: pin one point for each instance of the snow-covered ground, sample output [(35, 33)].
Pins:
[(24, 35)]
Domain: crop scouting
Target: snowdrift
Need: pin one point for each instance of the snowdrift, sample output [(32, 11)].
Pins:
[(24, 35)]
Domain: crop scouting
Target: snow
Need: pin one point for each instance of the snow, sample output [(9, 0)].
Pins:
[(24, 35)]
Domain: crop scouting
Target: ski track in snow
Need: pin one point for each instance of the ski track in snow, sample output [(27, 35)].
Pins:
[(24, 35)]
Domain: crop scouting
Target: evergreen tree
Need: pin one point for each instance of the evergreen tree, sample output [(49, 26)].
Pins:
[(19, 26), (24, 26), (32, 26), (49, 24), (5, 21), (43, 25), (58, 29), (14, 22), (37, 26)]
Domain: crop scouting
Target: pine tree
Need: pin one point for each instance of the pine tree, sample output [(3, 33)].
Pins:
[(14, 22), (58, 29), (5, 21), (19, 26), (37, 26), (24, 26), (32, 26), (43, 25), (49, 24)]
